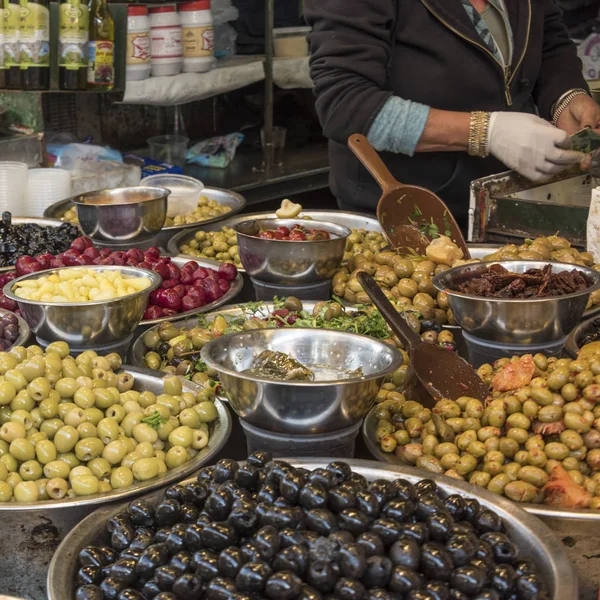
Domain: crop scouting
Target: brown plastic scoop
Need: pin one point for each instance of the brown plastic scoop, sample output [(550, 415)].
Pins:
[(443, 373), (410, 216)]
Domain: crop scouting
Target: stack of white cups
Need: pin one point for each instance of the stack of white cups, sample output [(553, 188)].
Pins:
[(13, 187), (45, 187)]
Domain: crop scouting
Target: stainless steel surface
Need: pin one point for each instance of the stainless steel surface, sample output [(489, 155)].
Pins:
[(122, 216), (535, 540), (235, 201), (584, 328), (232, 292), (31, 532), (301, 407), (512, 321), (290, 262), (86, 324)]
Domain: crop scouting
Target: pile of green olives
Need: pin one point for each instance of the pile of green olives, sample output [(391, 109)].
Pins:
[(78, 426), (511, 443)]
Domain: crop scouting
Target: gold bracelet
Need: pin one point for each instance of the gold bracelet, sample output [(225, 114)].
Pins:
[(478, 133), (564, 101)]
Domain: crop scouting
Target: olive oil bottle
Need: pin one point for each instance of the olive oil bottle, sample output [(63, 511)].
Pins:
[(73, 35), (12, 16), (34, 44), (101, 48)]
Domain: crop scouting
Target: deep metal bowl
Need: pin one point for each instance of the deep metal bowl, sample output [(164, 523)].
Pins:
[(235, 201), (36, 529), (86, 324), (584, 328), (511, 321), (535, 541), (122, 216), (290, 262), (301, 407)]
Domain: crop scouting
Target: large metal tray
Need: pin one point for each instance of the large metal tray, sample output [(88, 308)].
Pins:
[(31, 532), (236, 201), (535, 540)]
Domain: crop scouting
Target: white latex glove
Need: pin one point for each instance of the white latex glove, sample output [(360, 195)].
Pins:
[(531, 146)]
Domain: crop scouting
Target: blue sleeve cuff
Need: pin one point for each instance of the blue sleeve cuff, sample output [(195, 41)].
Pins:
[(399, 126)]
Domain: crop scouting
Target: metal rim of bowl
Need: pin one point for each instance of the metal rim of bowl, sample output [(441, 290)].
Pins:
[(24, 330), (155, 282), (340, 231), (572, 345), (564, 580), (368, 432), (396, 362), (216, 441), (590, 273), (86, 199)]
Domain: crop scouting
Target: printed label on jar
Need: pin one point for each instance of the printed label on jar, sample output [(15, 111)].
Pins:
[(198, 41), (73, 34), (101, 65), (166, 42), (138, 48), (34, 37), (12, 14)]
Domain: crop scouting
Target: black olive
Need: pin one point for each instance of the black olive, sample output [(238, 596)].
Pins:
[(462, 549), (243, 517), (292, 558), (206, 474), (436, 562), (349, 589), (266, 541), (341, 538), (487, 521), (321, 575), (378, 571), (370, 543), (438, 589), (130, 594), (456, 595), (378, 594), (472, 509), (167, 512), (321, 520), (368, 503), (189, 513), (182, 562), (529, 587), (426, 487), (427, 506), (188, 587), (455, 506), (217, 536), (140, 513), (359, 481), (124, 570), (220, 588), (464, 528), (441, 526), (417, 531), (225, 470), (340, 470), (353, 520), (420, 595), (324, 478), (168, 596), (281, 502), (312, 495), (488, 594), (383, 490), (276, 470), (484, 551), (281, 517), (291, 485), (119, 520), (165, 577), (111, 588), (196, 492), (192, 539), (353, 561), (340, 498), (143, 538), (218, 504), (150, 589), (176, 539), (205, 564), (387, 529), (88, 574), (469, 580), (291, 537), (230, 562), (283, 585), (250, 553), (96, 555), (504, 550), (503, 578), (160, 537), (404, 490), (88, 592), (247, 476), (308, 593), (253, 576), (260, 458), (267, 493), (153, 557), (399, 510), (405, 552), (523, 568)]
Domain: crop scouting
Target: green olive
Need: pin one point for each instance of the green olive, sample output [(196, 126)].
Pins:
[(176, 456), (45, 452), (26, 491), (518, 420), (22, 449), (7, 392), (498, 483), (145, 469), (520, 491), (550, 414), (88, 449), (114, 452), (65, 439), (85, 485), (108, 430), (144, 433), (99, 467), (556, 451), (121, 477), (30, 470), (207, 411)]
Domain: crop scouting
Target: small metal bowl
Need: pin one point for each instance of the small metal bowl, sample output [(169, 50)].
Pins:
[(287, 262), (122, 216), (24, 331), (573, 345), (516, 321), (86, 324), (301, 407)]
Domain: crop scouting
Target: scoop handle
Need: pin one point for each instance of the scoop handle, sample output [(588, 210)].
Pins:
[(392, 317), (368, 156)]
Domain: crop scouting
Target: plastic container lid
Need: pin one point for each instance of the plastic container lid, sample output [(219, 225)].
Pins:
[(291, 31), (137, 11), (197, 5), (162, 9)]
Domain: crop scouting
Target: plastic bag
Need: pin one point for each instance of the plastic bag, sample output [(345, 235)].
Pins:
[(223, 12), (216, 151), (73, 157), (224, 42)]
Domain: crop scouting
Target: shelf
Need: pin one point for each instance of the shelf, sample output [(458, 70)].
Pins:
[(231, 73)]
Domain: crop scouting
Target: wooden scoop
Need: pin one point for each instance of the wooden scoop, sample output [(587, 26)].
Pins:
[(443, 373), (410, 216)]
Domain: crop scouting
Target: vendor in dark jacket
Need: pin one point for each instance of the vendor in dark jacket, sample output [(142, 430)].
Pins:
[(447, 91)]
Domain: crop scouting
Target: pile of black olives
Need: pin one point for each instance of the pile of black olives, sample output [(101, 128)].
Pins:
[(268, 530)]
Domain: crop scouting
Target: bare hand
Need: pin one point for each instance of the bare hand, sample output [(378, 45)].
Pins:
[(580, 113)]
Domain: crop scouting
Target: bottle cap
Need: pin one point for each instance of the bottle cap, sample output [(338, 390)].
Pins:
[(137, 11), (162, 9), (197, 5)]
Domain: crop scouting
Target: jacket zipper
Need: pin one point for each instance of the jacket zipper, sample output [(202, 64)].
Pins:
[(507, 73)]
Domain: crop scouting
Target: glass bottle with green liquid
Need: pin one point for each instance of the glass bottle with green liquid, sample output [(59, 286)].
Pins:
[(12, 71), (34, 44), (101, 48), (73, 35)]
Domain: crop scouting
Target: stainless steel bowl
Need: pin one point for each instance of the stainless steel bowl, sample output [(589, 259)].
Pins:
[(302, 407), (122, 216), (24, 330), (290, 262), (512, 321), (235, 201), (86, 324), (535, 541), (34, 530), (584, 328)]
